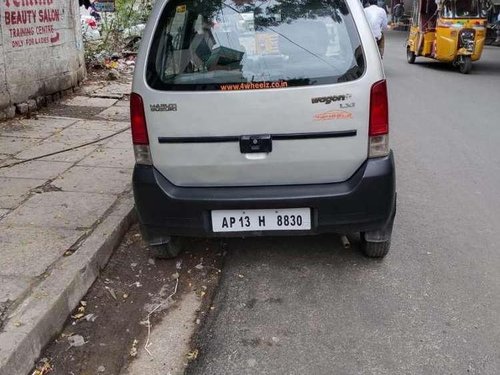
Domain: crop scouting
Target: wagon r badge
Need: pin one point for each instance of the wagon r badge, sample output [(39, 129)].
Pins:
[(331, 99)]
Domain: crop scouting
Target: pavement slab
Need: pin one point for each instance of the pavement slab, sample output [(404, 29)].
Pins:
[(28, 252), (74, 136), (115, 113), (48, 147), (110, 157), (37, 169), (40, 128), (70, 210), (13, 145), (94, 180), (123, 141), (97, 125), (15, 190), (114, 90), (12, 288), (73, 156), (6, 159), (85, 101), (123, 103)]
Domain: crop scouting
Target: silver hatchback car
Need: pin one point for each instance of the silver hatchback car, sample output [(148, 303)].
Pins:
[(261, 118)]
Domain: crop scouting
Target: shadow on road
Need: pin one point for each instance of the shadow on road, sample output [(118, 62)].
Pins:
[(300, 250)]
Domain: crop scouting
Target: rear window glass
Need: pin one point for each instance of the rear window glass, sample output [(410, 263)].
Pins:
[(245, 44)]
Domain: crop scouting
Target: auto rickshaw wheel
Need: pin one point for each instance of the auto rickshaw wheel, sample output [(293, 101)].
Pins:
[(465, 64), (410, 55)]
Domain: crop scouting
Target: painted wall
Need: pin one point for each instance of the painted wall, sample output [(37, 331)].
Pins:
[(41, 49)]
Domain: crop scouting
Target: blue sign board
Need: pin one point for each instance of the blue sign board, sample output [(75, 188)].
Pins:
[(105, 5)]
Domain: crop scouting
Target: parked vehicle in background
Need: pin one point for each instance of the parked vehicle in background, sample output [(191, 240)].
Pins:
[(268, 119)]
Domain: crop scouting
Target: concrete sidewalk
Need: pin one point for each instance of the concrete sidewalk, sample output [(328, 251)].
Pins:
[(60, 215)]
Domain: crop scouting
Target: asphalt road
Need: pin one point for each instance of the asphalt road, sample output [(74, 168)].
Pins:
[(306, 306)]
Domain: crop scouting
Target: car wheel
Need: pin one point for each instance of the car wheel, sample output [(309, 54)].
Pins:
[(373, 249), (465, 65), (410, 55), (167, 250)]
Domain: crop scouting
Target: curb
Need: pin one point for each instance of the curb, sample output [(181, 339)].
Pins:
[(170, 340), (42, 315)]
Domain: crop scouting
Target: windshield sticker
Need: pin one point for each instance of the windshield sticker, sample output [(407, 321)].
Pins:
[(163, 107), (333, 115), (331, 99), (267, 44), (254, 86)]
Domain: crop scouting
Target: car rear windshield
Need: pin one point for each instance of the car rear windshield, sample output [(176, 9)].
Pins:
[(253, 44)]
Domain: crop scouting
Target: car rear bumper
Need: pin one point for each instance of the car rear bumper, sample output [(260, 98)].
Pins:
[(365, 202)]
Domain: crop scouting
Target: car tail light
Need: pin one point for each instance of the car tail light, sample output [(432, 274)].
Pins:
[(379, 121), (139, 130), (138, 118)]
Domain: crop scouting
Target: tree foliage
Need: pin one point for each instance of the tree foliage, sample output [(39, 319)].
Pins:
[(266, 15)]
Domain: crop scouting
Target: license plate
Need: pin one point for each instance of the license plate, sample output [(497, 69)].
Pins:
[(261, 220)]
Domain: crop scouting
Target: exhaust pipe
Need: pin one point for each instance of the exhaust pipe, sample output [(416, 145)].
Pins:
[(345, 242)]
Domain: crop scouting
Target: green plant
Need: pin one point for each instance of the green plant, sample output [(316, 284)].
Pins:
[(128, 13)]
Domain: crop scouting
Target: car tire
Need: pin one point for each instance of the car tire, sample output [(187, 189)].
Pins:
[(375, 249), (168, 250), (465, 65), (410, 56)]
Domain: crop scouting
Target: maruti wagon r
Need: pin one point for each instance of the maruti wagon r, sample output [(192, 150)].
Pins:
[(261, 118)]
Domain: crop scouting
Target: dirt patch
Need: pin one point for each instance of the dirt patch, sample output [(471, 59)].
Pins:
[(98, 76), (102, 333), (71, 111)]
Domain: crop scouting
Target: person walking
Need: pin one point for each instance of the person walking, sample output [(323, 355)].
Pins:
[(398, 12), (377, 18)]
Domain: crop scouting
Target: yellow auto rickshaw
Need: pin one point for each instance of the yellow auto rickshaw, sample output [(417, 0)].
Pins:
[(451, 31)]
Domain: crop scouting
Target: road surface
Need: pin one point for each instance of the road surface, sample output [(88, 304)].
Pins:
[(307, 306)]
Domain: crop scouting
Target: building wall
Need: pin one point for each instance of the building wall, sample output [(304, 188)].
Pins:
[(41, 49)]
